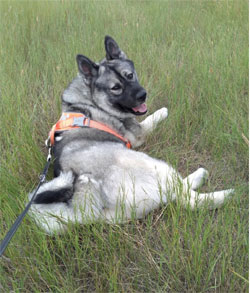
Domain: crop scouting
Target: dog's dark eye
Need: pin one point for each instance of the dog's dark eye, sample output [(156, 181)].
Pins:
[(130, 76), (116, 87)]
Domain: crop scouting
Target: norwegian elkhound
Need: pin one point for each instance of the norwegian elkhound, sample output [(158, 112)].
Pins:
[(97, 178)]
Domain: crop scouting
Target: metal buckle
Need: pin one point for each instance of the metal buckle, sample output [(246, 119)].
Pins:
[(80, 121), (87, 121)]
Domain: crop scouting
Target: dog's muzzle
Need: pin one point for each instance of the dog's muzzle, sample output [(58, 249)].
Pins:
[(141, 96)]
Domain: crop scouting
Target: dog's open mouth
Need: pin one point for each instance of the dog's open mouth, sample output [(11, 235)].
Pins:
[(140, 110)]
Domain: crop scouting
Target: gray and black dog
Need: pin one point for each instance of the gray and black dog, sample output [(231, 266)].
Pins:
[(97, 178)]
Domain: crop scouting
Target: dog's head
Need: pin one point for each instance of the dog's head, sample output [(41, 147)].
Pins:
[(113, 82)]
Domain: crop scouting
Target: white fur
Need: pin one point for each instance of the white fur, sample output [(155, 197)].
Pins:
[(58, 138)]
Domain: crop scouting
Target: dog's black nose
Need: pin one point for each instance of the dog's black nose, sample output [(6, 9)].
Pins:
[(141, 96)]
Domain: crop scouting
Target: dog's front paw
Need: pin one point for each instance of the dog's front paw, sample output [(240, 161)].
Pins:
[(150, 123), (160, 115)]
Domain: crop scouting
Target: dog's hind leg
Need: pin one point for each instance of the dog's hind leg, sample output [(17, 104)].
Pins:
[(195, 199), (53, 209), (196, 179), (211, 200)]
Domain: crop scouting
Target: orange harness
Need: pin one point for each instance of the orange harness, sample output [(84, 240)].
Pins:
[(76, 120)]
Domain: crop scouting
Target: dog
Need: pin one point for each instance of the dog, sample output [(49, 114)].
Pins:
[(97, 177)]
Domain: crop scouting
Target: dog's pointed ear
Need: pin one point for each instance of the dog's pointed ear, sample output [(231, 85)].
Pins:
[(112, 49), (87, 67)]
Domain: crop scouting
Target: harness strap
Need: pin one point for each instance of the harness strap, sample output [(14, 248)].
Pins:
[(76, 120)]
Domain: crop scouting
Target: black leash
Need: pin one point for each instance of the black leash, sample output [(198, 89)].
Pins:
[(18, 221)]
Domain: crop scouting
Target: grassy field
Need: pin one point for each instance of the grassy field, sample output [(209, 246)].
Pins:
[(191, 57)]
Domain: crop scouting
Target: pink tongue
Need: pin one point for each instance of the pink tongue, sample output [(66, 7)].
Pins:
[(142, 108)]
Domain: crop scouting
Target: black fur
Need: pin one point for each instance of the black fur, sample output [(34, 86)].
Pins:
[(60, 195)]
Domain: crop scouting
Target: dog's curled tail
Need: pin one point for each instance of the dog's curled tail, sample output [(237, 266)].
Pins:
[(60, 189)]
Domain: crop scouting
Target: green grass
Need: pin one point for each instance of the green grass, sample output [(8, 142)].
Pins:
[(192, 57)]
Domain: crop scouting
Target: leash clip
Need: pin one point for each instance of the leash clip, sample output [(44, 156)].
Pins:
[(48, 142), (49, 153)]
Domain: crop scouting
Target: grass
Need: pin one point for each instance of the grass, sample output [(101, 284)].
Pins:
[(192, 57)]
